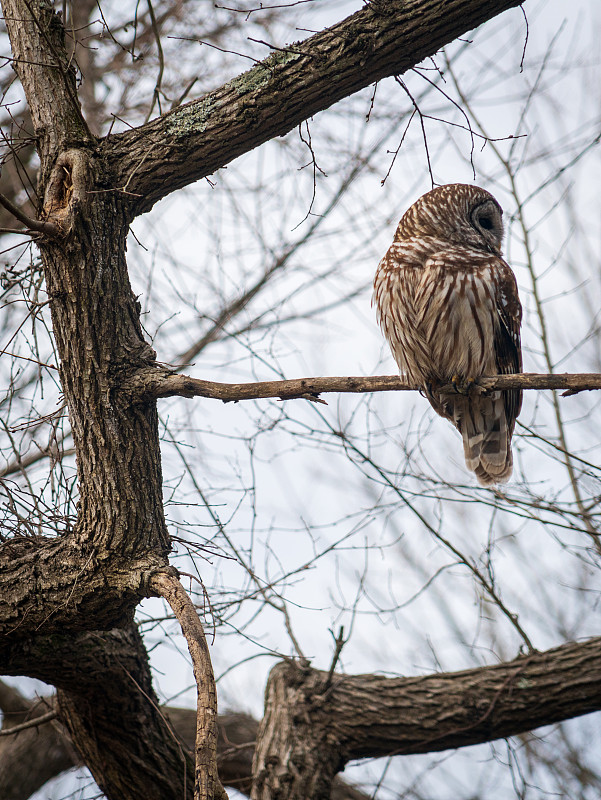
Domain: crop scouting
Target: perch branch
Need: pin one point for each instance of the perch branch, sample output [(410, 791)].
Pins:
[(156, 384), (206, 783)]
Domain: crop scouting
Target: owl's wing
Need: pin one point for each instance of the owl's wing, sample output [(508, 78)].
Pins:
[(508, 349)]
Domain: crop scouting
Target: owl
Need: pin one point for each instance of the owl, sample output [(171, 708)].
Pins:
[(448, 306)]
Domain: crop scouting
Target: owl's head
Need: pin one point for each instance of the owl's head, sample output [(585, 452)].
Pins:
[(457, 213)]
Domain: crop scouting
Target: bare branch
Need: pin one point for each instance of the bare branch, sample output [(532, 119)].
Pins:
[(49, 228), (157, 384), (288, 87), (206, 784), (32, 723)]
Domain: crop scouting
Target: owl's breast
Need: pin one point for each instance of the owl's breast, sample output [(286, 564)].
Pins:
[(438, 312)]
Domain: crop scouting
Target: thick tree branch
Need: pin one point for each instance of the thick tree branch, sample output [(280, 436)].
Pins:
[(311, 730), (156, 383), (106, 698), (39, 754), (353, 717), (93, 577), (385, 38), (52, 585), (48, 78), (108, 706)]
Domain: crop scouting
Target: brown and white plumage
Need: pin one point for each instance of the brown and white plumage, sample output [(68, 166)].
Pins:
[(448, 305)]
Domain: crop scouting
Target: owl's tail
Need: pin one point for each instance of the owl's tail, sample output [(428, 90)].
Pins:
[(482, 423)]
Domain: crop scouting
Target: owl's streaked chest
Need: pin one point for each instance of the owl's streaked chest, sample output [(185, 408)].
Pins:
[(436, 304)]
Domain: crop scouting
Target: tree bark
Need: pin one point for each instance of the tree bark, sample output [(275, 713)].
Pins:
[(33, 756), (312, 727), (94, 577), (385, 38), (108, 706)]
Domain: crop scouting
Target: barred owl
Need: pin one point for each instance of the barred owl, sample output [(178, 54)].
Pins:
[(448, 305)]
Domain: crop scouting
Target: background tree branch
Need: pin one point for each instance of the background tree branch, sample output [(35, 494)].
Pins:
[(385, 38)]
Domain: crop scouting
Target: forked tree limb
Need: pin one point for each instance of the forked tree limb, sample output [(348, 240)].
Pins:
[(154, 384), (206, 783), (316, 721), (36, 755)]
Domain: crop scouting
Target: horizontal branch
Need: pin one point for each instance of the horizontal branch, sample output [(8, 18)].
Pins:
[(320, 726), (161, 384), (386, 37)]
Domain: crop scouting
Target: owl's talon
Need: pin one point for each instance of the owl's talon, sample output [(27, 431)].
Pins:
[(463, 385), (431, 387)]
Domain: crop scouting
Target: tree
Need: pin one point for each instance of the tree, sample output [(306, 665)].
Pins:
[(79, 557)]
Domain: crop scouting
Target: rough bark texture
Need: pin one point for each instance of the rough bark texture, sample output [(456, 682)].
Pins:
[(32, 758), (36, 31), (93, 577), (108, 706), (312, 728), (385, 38)]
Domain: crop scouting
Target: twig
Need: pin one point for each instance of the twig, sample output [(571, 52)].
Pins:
[(340, 641), (49, 228), (421, 121), (32, 723), (156, 95), (282, 49), (206, 780)]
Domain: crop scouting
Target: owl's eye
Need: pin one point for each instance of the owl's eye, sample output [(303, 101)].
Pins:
[(486, 223)]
